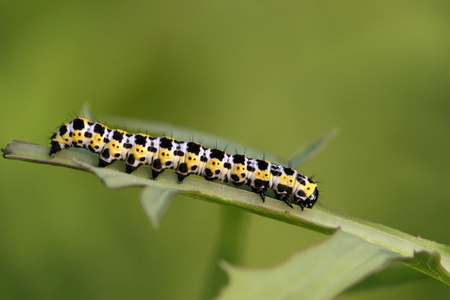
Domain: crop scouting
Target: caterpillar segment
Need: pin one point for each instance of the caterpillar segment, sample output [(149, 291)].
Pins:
[(185, 158)]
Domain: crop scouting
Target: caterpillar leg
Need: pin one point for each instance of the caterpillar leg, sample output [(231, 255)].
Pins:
[(284, 197), (103, 163), (286, 200), (55, 148), (156, 173), (105, 158), (182, 172), (131, 164), (263, 196), (181, 177), (157, 168), (260, 192), (301, 204), (129, 168)]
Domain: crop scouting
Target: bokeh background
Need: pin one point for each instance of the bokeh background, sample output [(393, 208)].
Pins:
[(272, 75)]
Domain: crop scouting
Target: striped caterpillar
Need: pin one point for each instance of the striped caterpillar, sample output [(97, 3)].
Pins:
[(185, 158)]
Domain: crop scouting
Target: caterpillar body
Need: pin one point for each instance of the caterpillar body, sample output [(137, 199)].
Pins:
[(185, 158)]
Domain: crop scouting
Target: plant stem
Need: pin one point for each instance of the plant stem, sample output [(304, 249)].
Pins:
[(229, 248)]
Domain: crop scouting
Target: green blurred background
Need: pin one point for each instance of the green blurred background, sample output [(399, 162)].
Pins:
[(269, 74)]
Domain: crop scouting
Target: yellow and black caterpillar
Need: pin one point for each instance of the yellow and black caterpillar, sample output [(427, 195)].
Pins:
[(185, 158)]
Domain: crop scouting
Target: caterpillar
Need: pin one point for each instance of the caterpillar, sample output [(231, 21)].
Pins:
[(185, 158)]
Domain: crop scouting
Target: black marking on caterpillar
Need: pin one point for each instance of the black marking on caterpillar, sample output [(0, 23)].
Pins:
[(185, 158)]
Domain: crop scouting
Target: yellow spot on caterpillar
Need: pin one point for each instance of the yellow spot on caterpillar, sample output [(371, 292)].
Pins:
[(214, 165), (139, 151), (65, 139), (287, 180), (239, 170), (262, 175), (309, 188), (114, 147), (165, 155), (78, 136), (97, 142), (191, 160)]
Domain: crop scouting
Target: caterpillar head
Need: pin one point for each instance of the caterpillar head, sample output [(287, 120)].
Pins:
[(306, 194)]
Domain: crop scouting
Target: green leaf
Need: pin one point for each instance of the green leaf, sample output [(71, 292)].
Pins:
[(155, 201), (434, 258), (230, 238), (395, 274), (320, 272), (429, 263)]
